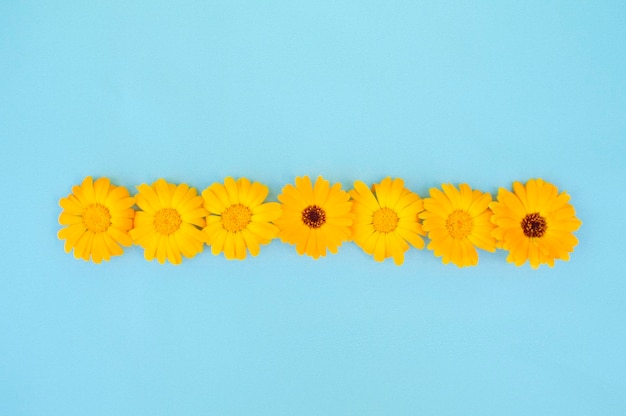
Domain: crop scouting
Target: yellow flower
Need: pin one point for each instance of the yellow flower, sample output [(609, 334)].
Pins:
[(238, 219), (457, 222), (315, 217), (386, 219), (534, 223), (166, 226), (97, 216)]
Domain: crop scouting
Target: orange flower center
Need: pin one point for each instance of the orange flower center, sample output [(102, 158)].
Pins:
[(236, 218), (313, 216), (459, 224), (385, 220), (534, 225), (97, 218), (167, 221)]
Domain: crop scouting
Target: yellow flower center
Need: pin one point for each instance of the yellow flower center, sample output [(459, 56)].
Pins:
[(459, 224), (97, 218), (385, 220), (534, 225), (313, 216), (167, 221), (236, 218)]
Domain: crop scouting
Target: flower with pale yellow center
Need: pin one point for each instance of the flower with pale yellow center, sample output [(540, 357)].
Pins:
[(169, 222), (239, 220), (386, 219), (457, 221), (97, 217)]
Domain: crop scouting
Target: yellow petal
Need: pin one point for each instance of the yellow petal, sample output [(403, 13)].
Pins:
[(321, 191), (162, 191), (231, 189), (304, 186)]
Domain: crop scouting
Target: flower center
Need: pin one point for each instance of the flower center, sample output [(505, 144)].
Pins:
[(97, 218), (385, 220), (459, 224), (313, 216), (236, 218), (534, 225), (167, 221)]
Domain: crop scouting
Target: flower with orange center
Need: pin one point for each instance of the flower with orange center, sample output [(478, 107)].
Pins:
[(97, 217), (239, 220), (168, 225), (458, 221), (534, 222), (386, 219), (315, 218)]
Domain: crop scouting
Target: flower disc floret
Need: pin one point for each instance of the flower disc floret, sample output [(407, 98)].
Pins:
[(97, 218), (534, 225), (167, 221), (385, 220), (236, 218), (313, 216)]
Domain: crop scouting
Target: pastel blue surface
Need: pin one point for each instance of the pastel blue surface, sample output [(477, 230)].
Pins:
[(433, 92)]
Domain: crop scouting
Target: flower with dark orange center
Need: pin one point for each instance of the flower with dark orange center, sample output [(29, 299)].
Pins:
[(535, 223), (316, 218)]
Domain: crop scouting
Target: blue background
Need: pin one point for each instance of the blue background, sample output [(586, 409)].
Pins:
[(478, 92)]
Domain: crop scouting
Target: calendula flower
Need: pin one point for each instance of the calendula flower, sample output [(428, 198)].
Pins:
[(167, 225), (386, 219), (458, 221), (315, 218), (97, 216), (239, 220), (534, 222)]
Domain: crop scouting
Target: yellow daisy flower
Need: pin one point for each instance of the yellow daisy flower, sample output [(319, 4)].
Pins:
[(97, 216), (315, 217), (534, 222), (167, 225), (238, 219), (458, 221), (386, 219)]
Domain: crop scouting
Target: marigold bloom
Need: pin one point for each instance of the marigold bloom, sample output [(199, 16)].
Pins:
[(97, 216), (458, 221), (386, 219), (167, 225), (316, 217), (534, 222), (239, 220)]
